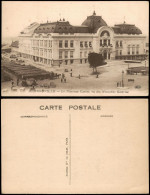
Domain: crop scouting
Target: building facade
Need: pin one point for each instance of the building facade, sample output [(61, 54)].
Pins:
[(58, 43)]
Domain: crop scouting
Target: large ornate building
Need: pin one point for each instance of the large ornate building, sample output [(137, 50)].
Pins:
[(56, 43)]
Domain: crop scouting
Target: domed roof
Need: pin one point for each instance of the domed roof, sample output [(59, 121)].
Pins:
[(126, 29), (94, 22)]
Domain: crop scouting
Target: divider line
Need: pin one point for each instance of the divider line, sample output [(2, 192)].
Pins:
[(69, 149)]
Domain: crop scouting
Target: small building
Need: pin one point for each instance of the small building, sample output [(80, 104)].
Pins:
[(6, 49), (15, 46)]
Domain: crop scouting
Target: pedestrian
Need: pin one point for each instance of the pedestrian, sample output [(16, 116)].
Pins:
[(12, 84), (17, 81), (34, 82), (97, 76), (71, 74)]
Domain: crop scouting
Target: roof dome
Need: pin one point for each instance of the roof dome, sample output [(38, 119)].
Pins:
[(126, 29), (94, 22)]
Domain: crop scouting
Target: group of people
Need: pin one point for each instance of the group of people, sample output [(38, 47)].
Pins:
[(13, 83), (119, 84), (23, 83), (63, 78)]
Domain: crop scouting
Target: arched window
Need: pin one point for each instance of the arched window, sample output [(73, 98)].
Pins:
[(105, 33)]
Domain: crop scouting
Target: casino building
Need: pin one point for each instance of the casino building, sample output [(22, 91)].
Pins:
[(57, 43)]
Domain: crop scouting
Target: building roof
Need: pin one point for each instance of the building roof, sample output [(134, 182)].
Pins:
[(6, 47), (15, 44), (61, 27), (90, 25), (126, 29), (94, 22)]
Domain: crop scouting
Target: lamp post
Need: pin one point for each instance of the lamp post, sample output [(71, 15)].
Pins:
[(122, 79)]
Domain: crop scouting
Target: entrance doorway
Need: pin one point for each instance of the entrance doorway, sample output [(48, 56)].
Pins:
[(105, 55)]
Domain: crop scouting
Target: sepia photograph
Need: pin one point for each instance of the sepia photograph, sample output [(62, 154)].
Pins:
[(75, 48), (75, 146)]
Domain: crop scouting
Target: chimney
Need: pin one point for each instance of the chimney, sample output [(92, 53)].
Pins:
[(94, 13)]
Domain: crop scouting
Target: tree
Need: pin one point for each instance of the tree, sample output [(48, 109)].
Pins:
[(95, 60)]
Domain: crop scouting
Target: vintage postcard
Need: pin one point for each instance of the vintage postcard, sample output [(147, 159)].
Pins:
[(75, 146), (75, 48)]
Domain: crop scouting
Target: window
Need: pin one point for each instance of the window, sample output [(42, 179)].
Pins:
[(41, 59), (116, 52), (117, 43), (120, 52), (71, 54), (60, 44), (85, 54), (85, 44), (45, 61), (49, 43), (49, 62), (66, 54), (49, 53), (66, 43), (90, 44), (81, 44), (60, 54), (71, 43), (120, 43), (133, 50), (71, 61), (137, 49), (109, 42), (45, 53), (41, 52), (45, 43), (105, 42), (66, 62), (128, 50), (41, 43), (80, 54), (100, 42)]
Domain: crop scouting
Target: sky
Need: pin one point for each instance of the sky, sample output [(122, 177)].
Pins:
[(16, 15)]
